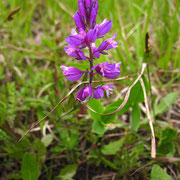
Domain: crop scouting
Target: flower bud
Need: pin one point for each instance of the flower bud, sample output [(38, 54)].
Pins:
[(72, 73)]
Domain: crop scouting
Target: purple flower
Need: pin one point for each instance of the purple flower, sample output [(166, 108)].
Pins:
[(92, 20), (88, 12), (75, 40), (75, 52), (72, 73), (103, 28), (78, 19), (110, 71), (82, 39), (83, 93), (91, 36), (99, 91), (107, 45), (95, 51)]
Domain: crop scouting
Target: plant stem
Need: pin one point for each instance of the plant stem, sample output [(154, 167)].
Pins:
[(91, 64), (150, 87)]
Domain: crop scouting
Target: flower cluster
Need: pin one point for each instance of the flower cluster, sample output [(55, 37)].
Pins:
[(84, 36)]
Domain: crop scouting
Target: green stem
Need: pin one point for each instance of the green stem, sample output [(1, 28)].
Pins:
[(91, 64), (150, 87)]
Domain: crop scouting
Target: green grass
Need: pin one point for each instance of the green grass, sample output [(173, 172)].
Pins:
[(31, 84)]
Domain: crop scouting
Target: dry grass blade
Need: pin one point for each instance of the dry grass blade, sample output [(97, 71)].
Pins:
[(153, 142)]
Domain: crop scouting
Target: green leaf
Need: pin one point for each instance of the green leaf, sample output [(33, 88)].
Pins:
[(3, 135), (168, 134), (47, 140), (166, 103), (97, 106), (109, 163), (111, 108), (135, 117), (113, 147), (166, 146), (157, 173), (136, 94), (98, 127), (68, 172), (29, 168)]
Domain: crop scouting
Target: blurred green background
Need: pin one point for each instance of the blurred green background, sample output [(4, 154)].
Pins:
[(31, 84)]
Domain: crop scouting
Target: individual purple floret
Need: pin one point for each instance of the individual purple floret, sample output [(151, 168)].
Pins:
[(103, 28), (82, 39), (75, 52), (72, 73), (84, 36), (106, 45), (83, 93), (110, 71), (99, 91), (79, 21)]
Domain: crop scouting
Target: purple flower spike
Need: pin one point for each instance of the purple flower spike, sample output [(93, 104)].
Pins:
[(84, 36), (83, 93), (110, 71), (75, 52), (78, 21), (104, 28), (99, 91), (72, 73)]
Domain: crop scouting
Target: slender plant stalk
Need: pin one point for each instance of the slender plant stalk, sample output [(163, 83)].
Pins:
[(91, 64), (150, 88)]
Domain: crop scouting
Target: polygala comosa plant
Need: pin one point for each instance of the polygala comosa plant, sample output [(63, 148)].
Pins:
[(84, 37)]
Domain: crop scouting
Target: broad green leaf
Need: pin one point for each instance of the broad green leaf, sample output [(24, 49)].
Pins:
[(168, 134), (113, 147), (47, 140), (136, 94), (157, 173), (68, 172), (135, 117), (166, 103), (166, 146), (97, 106), (29, 168), (98, 127), (111, 108)]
